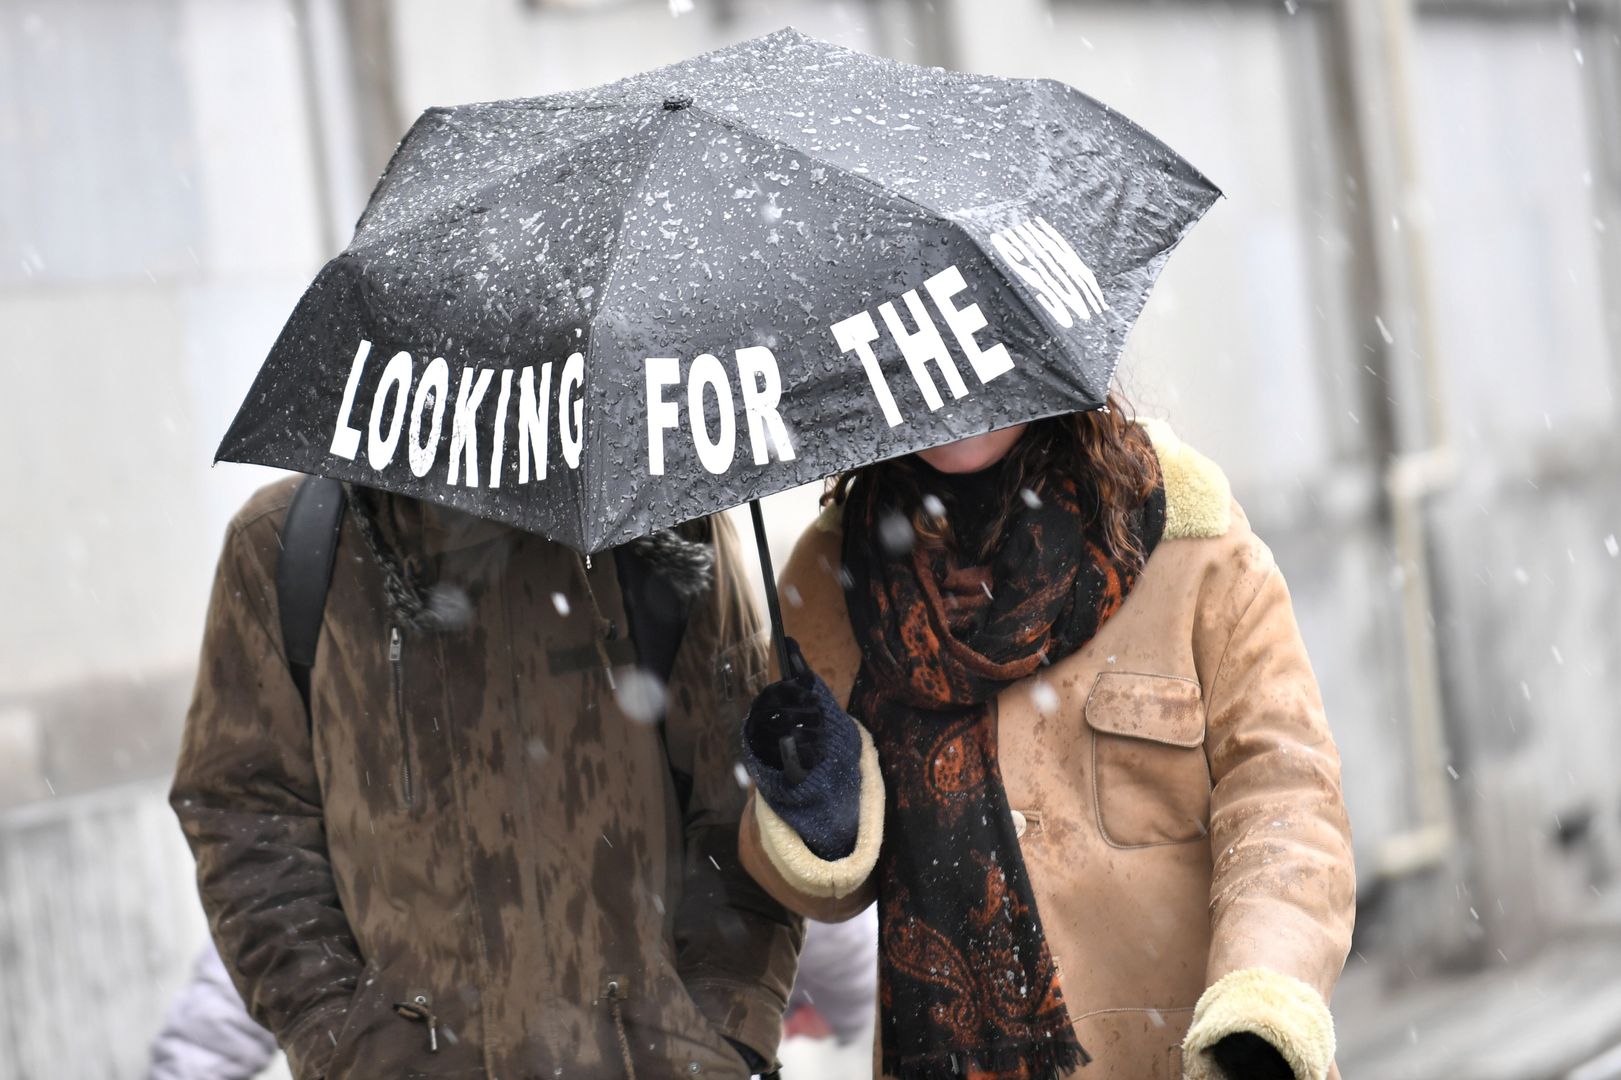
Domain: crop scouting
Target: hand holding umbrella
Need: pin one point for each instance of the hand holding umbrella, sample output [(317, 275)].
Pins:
[(803, 753)]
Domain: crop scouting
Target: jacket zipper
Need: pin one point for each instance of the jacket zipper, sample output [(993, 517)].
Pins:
[(396, 650)]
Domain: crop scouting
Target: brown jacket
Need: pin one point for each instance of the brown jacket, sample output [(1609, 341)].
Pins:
[(1177, 793), (475, 827)]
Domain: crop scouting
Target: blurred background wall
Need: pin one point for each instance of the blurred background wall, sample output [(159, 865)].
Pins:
[(1397, 334)]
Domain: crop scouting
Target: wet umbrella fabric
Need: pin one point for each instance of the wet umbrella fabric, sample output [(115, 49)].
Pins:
[(596, 314)]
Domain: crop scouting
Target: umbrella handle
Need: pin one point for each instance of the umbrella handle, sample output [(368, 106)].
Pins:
[(760, 543)]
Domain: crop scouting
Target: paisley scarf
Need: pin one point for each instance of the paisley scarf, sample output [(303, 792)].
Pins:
[(967, 984)]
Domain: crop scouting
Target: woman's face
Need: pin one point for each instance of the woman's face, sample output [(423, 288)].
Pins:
[(975, 453)]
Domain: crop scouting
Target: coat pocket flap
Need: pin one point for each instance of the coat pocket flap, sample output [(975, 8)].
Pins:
[(1160, 708)]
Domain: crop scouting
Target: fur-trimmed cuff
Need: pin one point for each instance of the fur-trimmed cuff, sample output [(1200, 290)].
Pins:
[(800, 867), (1279, 1008)]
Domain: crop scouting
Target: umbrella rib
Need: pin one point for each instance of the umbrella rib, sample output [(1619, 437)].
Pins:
[(1034, 89), (944, 217), (482, 183), (611, 268), (762, 137)]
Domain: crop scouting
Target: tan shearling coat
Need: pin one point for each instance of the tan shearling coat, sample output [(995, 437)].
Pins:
[(1177, 794)]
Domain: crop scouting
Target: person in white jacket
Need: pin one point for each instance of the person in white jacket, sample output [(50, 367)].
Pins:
[(837, 979), (207, 1033)]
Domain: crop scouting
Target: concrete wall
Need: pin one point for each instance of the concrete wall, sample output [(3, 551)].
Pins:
[(158, 219)]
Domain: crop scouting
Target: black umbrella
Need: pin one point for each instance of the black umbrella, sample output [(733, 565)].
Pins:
[(595, 314)]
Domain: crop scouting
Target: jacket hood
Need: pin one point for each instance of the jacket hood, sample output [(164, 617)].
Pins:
[(433, 557)]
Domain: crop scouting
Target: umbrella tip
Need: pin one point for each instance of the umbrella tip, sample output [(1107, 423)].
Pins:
[(676, 103)]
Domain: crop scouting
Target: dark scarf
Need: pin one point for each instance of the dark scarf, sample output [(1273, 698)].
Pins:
[(967, 982)]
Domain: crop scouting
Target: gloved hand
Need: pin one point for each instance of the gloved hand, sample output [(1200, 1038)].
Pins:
[(1246, 1056), (803, 753)]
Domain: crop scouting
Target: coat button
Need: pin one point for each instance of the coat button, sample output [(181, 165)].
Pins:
[(1018, 823)]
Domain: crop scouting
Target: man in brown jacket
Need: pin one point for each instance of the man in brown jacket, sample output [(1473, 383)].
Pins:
[(492, 847)]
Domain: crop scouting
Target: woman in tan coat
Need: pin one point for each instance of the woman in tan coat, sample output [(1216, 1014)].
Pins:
[(1088, 781)]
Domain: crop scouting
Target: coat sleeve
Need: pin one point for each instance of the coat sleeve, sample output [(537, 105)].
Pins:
[(207, 1033), (1283, 890), (815, 615), (249, 802), (736, 946)]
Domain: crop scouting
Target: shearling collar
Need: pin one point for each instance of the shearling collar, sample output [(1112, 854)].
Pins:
[(1198, 499)]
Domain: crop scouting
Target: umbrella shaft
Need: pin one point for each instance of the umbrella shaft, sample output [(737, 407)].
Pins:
[(770, 588)]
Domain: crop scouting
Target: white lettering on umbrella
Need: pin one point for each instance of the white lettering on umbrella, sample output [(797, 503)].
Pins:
[(1033, 250), (760, 385), (918, 348), (398, 407), (1044, 260), (1074, 267), (965, 322), (533, 419), (1029, 268), (662, 415), (571, 421), (858, 332), (396, 377), (716, 454), (464, 424), (499, 430), (435, 387), (345, 436)]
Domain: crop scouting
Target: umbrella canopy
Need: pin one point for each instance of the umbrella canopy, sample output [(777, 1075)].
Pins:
[(596, 314)]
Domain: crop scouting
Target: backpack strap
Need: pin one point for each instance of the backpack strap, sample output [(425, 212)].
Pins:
[(658, 620), (309, 544)]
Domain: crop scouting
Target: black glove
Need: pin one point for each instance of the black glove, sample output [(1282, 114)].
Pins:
[(804, 754), (1244, 1055)]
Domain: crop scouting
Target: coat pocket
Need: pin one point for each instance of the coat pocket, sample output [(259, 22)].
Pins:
[(395, 1030), (1151, 783)]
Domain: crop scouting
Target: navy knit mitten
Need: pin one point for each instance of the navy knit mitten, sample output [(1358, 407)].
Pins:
[(813, 781)]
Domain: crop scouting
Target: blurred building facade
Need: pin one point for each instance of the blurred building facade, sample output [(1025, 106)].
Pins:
[(1393, 334)]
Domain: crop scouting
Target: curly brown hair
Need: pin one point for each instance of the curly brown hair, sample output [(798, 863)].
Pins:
[(1104, 449)]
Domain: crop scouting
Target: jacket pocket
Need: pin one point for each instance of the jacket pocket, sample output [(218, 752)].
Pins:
[(355, 1018), (1150, 780), (395, 1030)]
